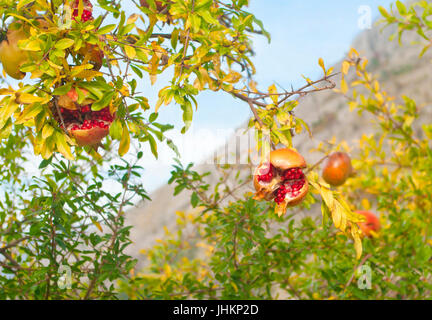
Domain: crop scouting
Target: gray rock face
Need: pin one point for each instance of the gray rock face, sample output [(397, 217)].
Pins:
[(400, 72)]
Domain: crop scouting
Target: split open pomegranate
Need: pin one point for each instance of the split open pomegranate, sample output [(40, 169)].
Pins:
[(87, 10), (281, 179), (88, 127)]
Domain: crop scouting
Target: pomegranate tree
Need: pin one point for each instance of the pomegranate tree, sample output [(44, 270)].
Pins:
[(88, 127), (282, 179)]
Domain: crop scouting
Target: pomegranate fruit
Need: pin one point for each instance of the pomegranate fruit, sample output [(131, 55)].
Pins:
[(337, 169), (372, 223), (281, 179), (12, 57), (88, 127), (87, 10)]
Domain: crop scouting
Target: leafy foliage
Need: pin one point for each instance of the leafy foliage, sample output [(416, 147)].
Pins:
[(66, 216)]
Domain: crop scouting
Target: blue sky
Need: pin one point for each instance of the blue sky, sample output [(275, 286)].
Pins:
[(302, 32)]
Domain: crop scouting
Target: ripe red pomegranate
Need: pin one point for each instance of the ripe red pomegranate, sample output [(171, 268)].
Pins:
[(372, 223), (88, 127), (337, 169), (159, 5), (282, 179), (87, 10)]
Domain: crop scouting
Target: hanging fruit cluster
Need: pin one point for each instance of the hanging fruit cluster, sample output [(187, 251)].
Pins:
[(77, 111)]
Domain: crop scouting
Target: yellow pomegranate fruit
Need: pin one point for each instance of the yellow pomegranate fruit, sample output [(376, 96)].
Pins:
[(337, 169), (88, 127), (12, 57), (372, 223), (281, 179)]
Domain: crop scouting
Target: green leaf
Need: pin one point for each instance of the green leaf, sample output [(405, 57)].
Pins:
[(102, 103), (153, 117), (116, 129), (106, 29), (64, 43), (187, 115), (173, 147), (401, 7), (153, 145), (60, 91), (45, 163), (383, 12), (174, 38), (194, 200)]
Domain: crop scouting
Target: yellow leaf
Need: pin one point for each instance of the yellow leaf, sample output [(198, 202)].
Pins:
[(167, 269), (26, 98), (376, 85), (97, 224), (153, 78), (29, 113), (345, 67), (130, 52), (47, 131), (125, 142), (365, 204), (63, 147), (33, 45), (252, 85), (336, 214), (327, 195), (273, 91), (234, 286), (344, 86), (132, 18), (321, 63), (358, 246)]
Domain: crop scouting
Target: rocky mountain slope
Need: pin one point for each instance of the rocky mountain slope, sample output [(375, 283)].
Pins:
[(400, 72)]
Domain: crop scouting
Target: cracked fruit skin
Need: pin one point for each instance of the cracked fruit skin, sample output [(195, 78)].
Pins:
[(282, 179), (88, 127), (372, 223), (337, 169), (12, 57)]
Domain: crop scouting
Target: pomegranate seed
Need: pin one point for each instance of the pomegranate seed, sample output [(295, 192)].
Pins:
[(268, 176)]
